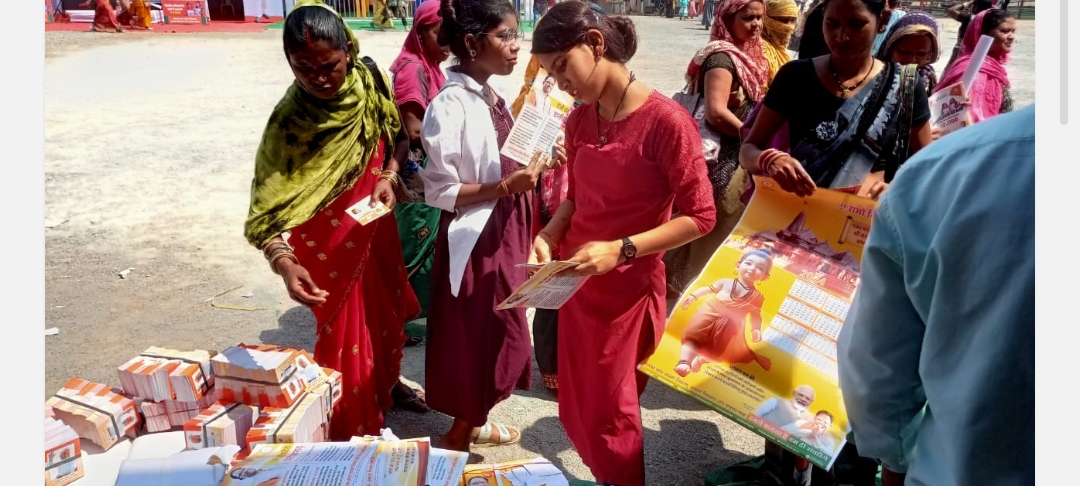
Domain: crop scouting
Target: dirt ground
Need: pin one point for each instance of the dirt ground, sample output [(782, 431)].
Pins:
[(150, 143)]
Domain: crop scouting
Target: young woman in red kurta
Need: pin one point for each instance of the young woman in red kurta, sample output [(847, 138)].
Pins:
[(632, 152)]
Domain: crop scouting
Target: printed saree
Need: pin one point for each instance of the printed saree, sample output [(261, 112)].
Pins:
[(870, 128)]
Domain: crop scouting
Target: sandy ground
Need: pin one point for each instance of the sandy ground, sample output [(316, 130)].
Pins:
[(150, 143)]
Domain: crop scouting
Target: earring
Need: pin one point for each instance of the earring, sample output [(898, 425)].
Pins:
[(472, 55)]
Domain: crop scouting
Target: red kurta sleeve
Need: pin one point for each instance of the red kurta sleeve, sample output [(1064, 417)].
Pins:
[(676, 143)]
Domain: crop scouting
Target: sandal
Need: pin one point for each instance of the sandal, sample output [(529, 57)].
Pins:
[(506, 435), (551, 380), (411, 400)]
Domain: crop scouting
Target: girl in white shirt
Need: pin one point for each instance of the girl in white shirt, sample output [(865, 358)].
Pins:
[(476, 355)]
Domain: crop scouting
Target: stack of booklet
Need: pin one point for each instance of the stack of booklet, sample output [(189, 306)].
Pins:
[(97, 412), (168, 414), (264, 376), (160, 374), (219, 425), (307, 420), (63, 451)]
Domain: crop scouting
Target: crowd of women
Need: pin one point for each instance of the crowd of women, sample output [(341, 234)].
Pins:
[(636, 176)]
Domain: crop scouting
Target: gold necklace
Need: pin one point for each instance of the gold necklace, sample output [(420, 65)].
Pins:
[(845, 90)]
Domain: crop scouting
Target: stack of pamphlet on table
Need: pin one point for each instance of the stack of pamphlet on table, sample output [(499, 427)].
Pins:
[(168, 414), (169, 386), (63, 451), (219, 425), (158, 374), (97, 412), (264, 376)]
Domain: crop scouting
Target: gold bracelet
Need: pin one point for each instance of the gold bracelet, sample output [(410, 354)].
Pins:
[(278, 251), (389, 175), (273, 247), (284, 254)]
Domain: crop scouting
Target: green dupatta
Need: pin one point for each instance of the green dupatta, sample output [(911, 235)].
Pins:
[(313, 150)]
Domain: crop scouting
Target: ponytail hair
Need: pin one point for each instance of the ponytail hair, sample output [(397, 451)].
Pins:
[(567, 25), (463, 17)]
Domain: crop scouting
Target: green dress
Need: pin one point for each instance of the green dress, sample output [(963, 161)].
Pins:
[(418, 224)]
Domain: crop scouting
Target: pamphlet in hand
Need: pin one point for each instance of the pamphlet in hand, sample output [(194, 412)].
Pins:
[(949, 111), (363, 213), (540, 122), (546, 289)]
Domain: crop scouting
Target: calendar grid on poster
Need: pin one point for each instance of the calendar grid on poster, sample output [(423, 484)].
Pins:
[(808, 324)]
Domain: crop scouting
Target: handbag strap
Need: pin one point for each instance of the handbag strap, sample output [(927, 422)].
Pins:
[(908, 84)]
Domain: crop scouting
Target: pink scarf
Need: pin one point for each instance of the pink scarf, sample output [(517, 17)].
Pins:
[(750, 63), (412, 61), (985, 92)]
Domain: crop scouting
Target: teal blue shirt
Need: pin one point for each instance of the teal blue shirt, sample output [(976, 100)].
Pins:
[(937, 355)]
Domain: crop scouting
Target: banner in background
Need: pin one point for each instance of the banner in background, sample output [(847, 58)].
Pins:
[(185, 12)]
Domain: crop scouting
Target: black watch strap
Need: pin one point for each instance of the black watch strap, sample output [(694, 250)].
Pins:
[(628, 249)]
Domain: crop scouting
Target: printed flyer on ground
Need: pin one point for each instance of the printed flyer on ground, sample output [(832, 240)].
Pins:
[(754, 336)]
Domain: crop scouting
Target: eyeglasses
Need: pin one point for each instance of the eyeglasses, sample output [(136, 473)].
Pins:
[(507, 36)]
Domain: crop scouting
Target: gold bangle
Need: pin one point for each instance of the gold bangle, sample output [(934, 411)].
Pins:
[(284, 254), (389, 175), (271, 248)]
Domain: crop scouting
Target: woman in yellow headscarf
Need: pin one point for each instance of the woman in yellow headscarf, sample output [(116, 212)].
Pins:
[(779, 24), (325, 158)]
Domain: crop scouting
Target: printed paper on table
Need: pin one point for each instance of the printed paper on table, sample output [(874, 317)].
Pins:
[(332, 463), (948, 112), (539, 125), (546, 289), (745, 344), (530, 472)]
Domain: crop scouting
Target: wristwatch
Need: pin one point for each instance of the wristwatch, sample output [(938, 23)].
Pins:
[(628, 249)]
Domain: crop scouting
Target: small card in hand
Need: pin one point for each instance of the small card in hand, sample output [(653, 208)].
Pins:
[(363, 213)]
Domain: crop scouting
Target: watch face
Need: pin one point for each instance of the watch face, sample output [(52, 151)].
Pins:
[(629, 251)]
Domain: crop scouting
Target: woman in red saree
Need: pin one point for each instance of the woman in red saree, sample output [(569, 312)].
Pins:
[(322, 156), (104, 17), (632, 153)]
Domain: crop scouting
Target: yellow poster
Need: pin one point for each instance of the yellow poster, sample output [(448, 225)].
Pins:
[(754, 336)]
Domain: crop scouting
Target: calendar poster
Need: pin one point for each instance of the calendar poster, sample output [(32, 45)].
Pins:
[(754, 336)]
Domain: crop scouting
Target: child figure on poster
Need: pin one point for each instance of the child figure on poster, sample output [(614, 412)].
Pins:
[(715, 333)]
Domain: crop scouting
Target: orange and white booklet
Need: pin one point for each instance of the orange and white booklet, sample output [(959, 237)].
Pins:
[(363, 213), (949, 111), (548, 288)]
